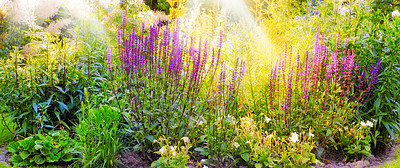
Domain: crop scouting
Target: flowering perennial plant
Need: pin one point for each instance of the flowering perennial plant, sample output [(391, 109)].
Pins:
[(324, 89), (171, 84)]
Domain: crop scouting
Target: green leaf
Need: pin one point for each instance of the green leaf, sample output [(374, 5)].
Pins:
[(63, 107), (258, 165), (38, 146), (45, 151), (245, 157), (377, 103), (13, 147), (52, 158), (149, 137), (38, 159), (15, 159), (24, 154), (201, 150), (67, 157), (304, 160)]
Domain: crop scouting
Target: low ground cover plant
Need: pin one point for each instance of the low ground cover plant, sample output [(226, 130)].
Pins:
[(43, 149)]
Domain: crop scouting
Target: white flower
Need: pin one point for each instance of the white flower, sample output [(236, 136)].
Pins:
[(172, 149), (248, 141), (267, 119), (396, 13), (311, 134), (344, 10), (294, 138), (236, 144), (369, 123), (201, 122), (270, 136), (185, 139), (202, 160), (173, 153), (154, 141), (362, 123), (163, 150), (205, 166)]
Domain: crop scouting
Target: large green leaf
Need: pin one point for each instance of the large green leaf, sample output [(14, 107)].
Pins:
[(38, 159), (52, 158), (13, 147), (24, 154), (67, 157), (15, 159), (45, 151)]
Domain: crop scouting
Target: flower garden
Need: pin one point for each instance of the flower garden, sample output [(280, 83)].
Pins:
[(198, 83)]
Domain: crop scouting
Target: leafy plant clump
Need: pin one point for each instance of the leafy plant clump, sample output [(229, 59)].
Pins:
[(100, 136), (41, 149)]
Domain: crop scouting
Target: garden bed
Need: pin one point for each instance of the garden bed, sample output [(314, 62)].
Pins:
[(199, 83)]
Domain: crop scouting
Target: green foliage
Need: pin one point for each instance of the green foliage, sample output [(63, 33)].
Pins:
[(262, 149), (161, 5), (380, 42), (6, 134), (42, 89), (172, 156), (11, 35), (43, 149), (354, 139), (100, 136)]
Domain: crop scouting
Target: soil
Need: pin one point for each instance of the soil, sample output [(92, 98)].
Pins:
[(335, 160)]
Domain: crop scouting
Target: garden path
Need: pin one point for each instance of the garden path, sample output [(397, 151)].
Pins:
[(3, 155)]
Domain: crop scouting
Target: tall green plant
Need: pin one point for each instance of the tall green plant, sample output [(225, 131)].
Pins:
[(99, 134), (380, 42)]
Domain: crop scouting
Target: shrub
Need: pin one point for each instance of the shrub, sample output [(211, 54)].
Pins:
[(43, 149), (41, 88)]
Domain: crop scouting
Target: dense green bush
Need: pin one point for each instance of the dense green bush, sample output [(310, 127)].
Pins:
[(42, 88)]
